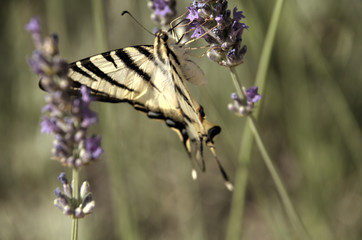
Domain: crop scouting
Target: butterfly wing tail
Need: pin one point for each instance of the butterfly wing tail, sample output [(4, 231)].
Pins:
[(227, 182), (213, 130)]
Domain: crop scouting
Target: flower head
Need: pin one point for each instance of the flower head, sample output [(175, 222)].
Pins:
[(244, 107), (66, 116), (71, 206), (224, 32)]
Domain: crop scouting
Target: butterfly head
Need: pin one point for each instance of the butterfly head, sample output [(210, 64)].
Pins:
[(162, 36), (164, 45)]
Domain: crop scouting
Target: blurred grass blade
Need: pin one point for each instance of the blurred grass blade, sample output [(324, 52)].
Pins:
[(120, 204), (99, 25)]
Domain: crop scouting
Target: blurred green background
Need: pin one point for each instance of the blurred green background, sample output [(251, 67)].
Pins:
[(310, 122)]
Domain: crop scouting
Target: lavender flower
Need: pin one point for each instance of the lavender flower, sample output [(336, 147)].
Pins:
[(65, 201), (67, 117), (212, 21), (244, 107), (163, 11)]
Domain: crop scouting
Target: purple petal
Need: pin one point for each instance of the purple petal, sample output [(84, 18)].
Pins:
[(237, 15), (57, 192), (161, 8), (164, 11), (234, 96), (49, 108), (62, 178), (193, 15), (33, 26), (252, 94), (198, 32), (93, 146), (86, 96), (48, 126), (89, 117)]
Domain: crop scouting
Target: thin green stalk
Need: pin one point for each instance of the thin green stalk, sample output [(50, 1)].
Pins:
[(241, 181), (239, 88), (75, 193), (244, 157), (287, 203)]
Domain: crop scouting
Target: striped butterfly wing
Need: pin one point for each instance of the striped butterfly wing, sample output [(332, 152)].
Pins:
[(152, 80), (128, 75)]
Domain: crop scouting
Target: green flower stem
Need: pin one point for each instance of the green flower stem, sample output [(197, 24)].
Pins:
[(242, 177), (239, 88), (287, 203), (75, 193)]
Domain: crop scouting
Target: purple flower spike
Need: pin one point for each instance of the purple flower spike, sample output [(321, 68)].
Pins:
[(65, 114), (224, 33)]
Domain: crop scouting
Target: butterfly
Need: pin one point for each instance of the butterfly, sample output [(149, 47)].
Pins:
[(152, 78)]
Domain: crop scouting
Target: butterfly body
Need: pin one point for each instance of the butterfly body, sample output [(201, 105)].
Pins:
[(152, 79)]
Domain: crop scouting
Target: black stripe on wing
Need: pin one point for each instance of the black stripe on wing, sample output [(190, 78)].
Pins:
[(178, 88), (109, 58), (75, 68), (126, 59), (170, 52), (89, 65), (143, 50)]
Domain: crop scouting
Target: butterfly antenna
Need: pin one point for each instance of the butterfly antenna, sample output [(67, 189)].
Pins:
[(172, 30), (227, 182), (139, 24), (181, 16)]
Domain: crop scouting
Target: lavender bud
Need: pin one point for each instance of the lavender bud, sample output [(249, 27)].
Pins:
[(62, 178), (84, 189), (88, 208)]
